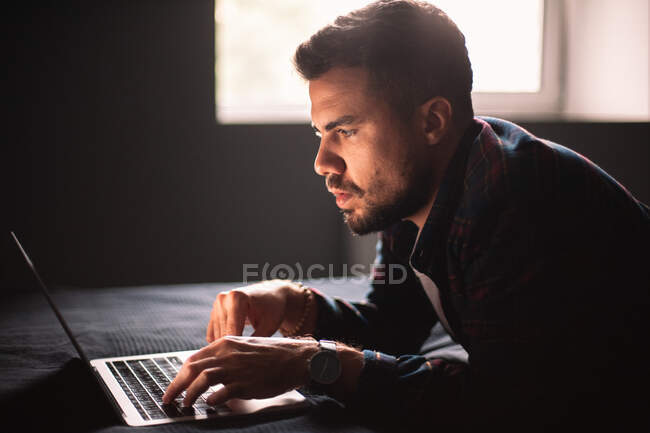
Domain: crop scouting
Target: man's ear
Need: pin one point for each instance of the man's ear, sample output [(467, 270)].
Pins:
[(435, 119)]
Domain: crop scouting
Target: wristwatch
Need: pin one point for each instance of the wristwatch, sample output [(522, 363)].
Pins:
[(324, 365)]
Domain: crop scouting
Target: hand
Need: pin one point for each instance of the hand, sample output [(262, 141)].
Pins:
[(248, 367), (266, 305)]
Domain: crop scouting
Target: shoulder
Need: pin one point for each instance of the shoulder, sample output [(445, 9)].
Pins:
[(513, 175), (509, 163)]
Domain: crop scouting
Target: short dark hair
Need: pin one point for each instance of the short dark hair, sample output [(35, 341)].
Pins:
[(412, 50)]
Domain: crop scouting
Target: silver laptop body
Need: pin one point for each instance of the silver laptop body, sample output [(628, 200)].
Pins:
[(135, 384)]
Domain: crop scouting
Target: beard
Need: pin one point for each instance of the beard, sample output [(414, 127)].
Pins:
[(385, 202)]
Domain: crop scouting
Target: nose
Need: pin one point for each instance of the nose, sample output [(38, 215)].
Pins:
[(328, 161)]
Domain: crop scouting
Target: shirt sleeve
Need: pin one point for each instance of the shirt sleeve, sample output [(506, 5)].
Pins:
[(409, 388), (543, 336), (550, 298), (401, 384), (395, 318)]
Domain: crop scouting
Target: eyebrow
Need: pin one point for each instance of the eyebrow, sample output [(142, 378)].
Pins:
[(343, 120)]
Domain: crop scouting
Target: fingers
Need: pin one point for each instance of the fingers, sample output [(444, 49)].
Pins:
[(220, 396), (203, 381), (237, 305), (214, 318), (263, 331), (263, 304), (209, 336), (223, 314), (247, 367), (188, 373), (228, 316)]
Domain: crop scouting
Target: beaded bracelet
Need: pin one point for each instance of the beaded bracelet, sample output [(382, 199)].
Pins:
[(305, 313)]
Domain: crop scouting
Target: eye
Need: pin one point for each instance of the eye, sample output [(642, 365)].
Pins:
[(346, 132)]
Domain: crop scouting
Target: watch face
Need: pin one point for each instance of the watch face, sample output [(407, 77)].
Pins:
[(325, 367)]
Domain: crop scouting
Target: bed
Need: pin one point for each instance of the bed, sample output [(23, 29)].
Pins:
[(46, 387)]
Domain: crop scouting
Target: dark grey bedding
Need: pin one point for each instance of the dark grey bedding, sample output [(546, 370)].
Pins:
[(46, 387)]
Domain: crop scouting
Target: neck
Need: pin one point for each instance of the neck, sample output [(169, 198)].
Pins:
[(440, 160), (420, 217)]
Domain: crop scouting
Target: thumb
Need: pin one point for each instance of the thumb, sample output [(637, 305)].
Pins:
[(263, 331), (264, 328)]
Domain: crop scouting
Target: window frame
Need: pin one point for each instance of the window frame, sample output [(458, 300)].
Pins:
[(546, 103)]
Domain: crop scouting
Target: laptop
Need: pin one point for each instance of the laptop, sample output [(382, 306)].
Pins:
[(135, 384)]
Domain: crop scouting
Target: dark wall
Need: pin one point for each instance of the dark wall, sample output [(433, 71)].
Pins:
[(123, 175), (119, 175)]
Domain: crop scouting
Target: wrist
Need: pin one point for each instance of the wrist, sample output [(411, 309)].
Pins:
[(308, 348), (350, 364), (298, 311), (324, 366)]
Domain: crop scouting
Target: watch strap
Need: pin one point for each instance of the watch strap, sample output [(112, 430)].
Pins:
[(328, 345)]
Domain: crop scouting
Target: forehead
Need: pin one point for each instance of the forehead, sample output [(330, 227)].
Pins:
[(339, 91)]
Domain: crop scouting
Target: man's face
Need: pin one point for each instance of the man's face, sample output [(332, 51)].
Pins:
[(373, 162)]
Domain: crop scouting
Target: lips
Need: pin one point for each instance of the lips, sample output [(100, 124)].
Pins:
[(342, 198)]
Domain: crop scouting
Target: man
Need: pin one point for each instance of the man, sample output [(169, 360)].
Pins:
[(527, 253)]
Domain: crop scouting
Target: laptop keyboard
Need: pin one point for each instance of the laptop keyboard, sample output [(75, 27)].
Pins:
[(145, 380)]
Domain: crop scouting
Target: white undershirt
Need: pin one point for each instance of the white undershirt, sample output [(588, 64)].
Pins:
[(434, 296), (431, 290)]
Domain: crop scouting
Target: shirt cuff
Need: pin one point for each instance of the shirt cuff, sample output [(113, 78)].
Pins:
[(378, 377), (329, 315)]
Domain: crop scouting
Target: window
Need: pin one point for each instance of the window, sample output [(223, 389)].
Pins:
[(513, 46)]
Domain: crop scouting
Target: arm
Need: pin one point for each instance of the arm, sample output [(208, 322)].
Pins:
[(413, 387), (531, 320), (396, 316)]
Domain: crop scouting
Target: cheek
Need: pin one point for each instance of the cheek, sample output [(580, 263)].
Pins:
[(379, 167), (386, 181), (362, 168)]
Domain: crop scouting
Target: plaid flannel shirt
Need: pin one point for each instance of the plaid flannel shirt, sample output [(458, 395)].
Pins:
[(540, 260)]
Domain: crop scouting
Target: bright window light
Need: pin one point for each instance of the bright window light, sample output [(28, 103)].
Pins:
[(256, 39), (504, 42)]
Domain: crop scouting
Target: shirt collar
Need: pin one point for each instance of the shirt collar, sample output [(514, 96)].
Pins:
[(431, 245)]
